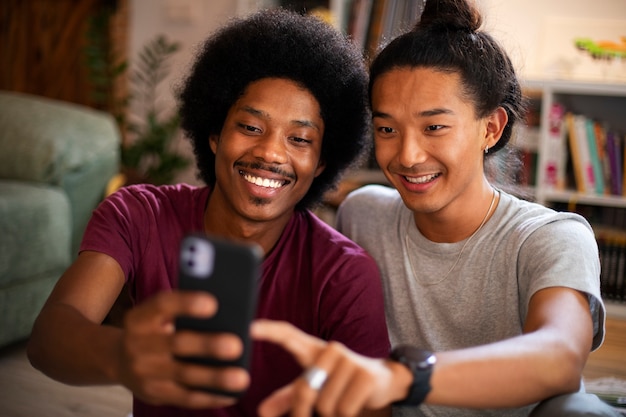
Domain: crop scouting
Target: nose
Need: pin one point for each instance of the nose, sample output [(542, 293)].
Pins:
[(271, 148), (412, 150)]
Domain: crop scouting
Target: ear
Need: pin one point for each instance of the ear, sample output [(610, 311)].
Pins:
[(213, 141), (495, 124), (321, 165)]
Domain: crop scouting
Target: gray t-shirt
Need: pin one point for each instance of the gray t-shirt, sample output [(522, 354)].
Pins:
[(523, 248)]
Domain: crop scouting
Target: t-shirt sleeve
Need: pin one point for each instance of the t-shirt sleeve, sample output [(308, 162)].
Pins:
[(564, 253), (111, 227)]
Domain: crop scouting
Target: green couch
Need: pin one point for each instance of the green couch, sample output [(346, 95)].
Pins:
[(56, 159)]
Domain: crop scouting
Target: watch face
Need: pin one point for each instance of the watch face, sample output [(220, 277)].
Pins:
[(419, 358)]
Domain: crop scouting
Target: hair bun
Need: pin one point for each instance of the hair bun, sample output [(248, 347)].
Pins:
[(450, 15)]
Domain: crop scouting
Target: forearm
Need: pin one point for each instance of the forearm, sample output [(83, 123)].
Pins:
[(511, 373), (69, 348)]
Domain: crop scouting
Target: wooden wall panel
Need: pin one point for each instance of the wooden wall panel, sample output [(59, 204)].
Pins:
[(42, 46)]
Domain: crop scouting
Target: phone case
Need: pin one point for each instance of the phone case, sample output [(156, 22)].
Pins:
[(230, 272)]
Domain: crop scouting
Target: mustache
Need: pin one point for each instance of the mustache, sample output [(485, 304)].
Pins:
[(274, 169)]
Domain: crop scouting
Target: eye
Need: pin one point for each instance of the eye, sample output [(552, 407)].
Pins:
[(300, 141), (433, 128), (248, 128), (385, 131)]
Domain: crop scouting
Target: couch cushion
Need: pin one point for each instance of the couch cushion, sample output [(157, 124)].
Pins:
[(44, 139), (35, 231), (20, 304)]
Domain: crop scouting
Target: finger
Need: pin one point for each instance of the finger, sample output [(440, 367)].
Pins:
[(302, 346), (335, 387), (158, 313), (277, 404), (303, 399), (307, 398), (355, 397), (223, 346), (163, 391), (199, 399), (230, 379), (370, 387)]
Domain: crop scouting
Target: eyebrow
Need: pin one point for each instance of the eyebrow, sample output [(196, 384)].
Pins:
[(264, 115), (425, 113)]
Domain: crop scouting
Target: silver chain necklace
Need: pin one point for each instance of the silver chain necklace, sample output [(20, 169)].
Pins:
[(406, 238)]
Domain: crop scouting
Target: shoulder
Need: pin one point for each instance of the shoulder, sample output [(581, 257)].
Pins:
[(368, 201), (149, 197), (369, 212), (529, 218), (326, 238), (329, 253), (158, 192), (370, 196)]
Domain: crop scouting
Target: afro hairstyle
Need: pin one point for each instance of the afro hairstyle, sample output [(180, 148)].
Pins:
[(277, 43)]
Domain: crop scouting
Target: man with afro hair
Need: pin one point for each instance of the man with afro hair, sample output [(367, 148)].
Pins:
[(275, 106)]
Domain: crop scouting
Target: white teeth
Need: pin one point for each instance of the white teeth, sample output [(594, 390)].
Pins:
[(421, 180), (263, 182)]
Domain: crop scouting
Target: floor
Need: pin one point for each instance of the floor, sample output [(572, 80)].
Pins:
[(610, 359), (25, 392)]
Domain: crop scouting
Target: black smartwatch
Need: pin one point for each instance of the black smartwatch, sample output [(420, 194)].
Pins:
[(420, 363)]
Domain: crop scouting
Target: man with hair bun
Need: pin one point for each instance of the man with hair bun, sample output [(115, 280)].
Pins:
[(492, 303)]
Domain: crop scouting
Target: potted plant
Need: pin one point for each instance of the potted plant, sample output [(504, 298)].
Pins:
[(149, 131)]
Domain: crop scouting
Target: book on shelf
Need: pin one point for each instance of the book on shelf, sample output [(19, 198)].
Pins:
[(374, 22), (609, 225), (359, 21), (595, 155), (375, 29), (556, 157), (579, 148), (612, 250), (614, 155), (605, 165)]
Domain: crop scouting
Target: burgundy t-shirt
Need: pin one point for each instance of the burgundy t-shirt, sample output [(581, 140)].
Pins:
[(314, 277)]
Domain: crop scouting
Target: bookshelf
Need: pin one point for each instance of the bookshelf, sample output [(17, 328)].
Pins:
[(602, 104), (367, 22)]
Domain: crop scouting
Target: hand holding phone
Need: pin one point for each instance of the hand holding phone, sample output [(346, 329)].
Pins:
[(230, 272)]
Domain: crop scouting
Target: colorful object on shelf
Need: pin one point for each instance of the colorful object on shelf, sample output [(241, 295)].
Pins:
[(603, 49)]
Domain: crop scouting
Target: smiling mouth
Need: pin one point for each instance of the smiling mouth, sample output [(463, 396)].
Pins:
[(421, 180), (263, 182)]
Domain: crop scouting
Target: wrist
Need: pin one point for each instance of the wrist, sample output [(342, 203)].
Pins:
[(401, 382), (419, 363)]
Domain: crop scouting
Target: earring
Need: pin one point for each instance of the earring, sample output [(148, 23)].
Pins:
[(486, 149)]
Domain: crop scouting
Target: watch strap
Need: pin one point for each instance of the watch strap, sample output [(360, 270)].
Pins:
[(420, 387)]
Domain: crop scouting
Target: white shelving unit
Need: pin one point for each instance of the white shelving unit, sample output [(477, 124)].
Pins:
[(602, 101)]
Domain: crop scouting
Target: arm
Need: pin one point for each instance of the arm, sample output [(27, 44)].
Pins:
[(70, 344), (546, 360)]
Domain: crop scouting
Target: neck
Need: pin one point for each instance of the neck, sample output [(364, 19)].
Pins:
[(458, 220), (220, 219)]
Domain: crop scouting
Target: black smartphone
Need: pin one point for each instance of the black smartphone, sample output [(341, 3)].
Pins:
[(230, 272)]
